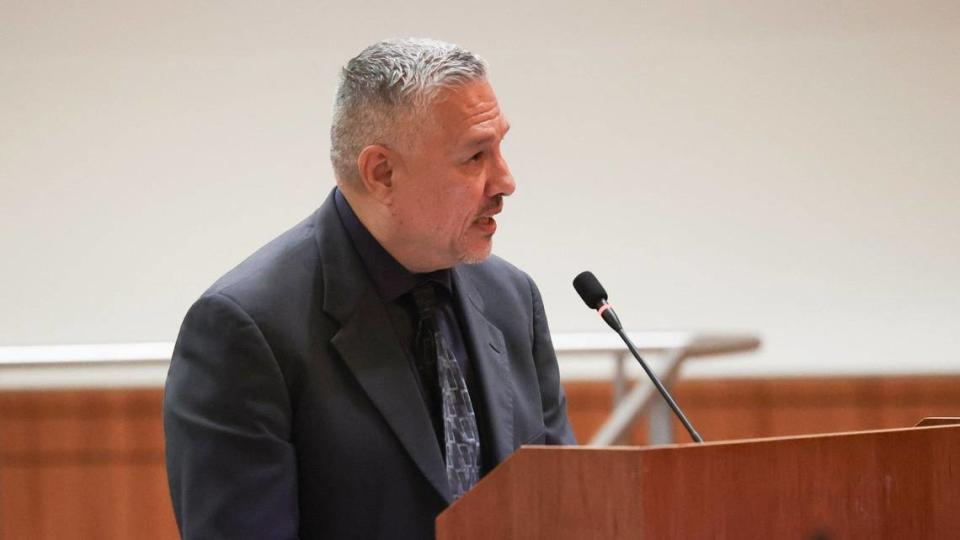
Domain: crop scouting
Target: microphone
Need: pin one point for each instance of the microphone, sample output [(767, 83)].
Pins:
[(594, 295)]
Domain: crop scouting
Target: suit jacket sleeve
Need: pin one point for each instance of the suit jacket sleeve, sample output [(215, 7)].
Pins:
[(553, 400), (230, 461)]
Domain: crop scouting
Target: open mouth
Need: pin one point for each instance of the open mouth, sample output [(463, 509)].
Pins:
[(486, 224)]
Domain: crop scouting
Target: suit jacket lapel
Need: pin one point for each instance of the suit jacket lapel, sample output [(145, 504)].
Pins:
[(489, 353), (380, 365), (374, 356)]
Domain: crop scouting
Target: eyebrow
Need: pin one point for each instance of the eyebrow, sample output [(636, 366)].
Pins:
[(485, 139)]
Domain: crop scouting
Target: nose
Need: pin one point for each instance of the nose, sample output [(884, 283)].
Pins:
[(500, 181)]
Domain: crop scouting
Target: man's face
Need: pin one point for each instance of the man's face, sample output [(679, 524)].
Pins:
[(452, 181)]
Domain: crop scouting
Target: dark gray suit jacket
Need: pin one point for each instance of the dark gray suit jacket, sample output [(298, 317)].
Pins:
[(291, 409)]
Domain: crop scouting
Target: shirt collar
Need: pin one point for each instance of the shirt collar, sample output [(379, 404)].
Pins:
[(389, 277)]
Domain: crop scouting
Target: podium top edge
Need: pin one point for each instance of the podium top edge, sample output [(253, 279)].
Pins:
[(955, 424)]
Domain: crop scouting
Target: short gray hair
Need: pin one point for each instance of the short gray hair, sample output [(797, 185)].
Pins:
[(385, 88)]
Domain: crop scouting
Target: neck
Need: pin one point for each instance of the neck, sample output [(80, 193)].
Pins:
[(377, 219)]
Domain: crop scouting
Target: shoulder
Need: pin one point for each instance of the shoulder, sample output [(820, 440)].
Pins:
[(273, 297), (280, 287), (278, 271)]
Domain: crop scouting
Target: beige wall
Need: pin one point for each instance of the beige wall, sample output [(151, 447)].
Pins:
[(785, 167)]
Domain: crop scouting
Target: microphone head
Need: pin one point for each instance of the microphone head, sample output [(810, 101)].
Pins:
[(590, 290)]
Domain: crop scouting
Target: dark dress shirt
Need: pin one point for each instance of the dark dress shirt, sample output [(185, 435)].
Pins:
[(394, 284)]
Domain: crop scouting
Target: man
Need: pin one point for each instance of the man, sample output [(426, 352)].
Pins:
[(357, 374)]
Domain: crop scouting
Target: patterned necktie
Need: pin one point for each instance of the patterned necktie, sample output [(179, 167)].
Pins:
[(460, 436)]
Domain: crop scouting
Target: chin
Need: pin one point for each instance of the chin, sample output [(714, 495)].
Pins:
[(477, 255)]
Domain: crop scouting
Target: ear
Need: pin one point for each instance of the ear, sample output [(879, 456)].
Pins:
[(376, 165)]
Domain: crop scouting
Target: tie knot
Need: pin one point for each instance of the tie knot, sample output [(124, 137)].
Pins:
[(425, 298)]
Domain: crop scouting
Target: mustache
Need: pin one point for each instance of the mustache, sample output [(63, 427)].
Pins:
[(495, 206)]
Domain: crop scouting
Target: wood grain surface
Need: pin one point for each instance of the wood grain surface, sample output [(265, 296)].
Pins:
[(89, 464), (881, 484)]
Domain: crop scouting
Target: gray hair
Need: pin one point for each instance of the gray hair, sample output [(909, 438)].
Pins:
[(384, 91)]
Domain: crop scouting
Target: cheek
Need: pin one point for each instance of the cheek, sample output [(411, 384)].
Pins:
[(443, 202), (463, 207)]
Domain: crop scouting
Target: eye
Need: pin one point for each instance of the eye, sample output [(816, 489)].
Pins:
[(477, 157)]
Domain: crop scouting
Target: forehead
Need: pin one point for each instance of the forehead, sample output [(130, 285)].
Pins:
[(467, 109)]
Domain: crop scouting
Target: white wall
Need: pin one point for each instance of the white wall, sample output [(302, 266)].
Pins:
[(785, 167)]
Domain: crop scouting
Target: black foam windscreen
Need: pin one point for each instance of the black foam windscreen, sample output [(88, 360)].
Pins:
[(590, 289)]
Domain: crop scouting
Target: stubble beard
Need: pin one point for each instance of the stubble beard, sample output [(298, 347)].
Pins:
[(477, 257)]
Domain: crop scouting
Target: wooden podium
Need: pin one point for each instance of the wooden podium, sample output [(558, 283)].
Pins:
[(900, 483)]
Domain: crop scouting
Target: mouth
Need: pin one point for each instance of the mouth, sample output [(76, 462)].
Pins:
[(488, 214), (485, 218), (486, 222)]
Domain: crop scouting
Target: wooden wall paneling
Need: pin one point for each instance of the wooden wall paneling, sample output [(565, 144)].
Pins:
[(89, 464), (588, 405), (720, 409), (103, 501), (83, 464), (724, 409)]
